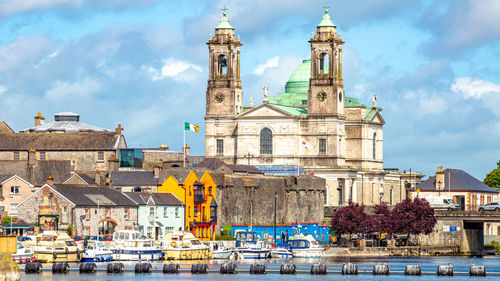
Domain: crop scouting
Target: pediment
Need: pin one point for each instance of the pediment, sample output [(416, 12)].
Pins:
[(377, 118), (265, 110)]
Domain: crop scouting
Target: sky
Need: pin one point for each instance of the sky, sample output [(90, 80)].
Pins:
[(434, 65)]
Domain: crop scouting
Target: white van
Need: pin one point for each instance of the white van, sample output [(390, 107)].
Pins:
[(441, 202)]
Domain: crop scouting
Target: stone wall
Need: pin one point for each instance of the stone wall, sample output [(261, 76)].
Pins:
[(250, 199), (98, 215)]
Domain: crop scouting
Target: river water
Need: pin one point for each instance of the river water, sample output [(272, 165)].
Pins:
[(428, 264)]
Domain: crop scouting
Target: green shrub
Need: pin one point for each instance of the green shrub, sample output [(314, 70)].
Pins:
[(496, 245), (70, 229)]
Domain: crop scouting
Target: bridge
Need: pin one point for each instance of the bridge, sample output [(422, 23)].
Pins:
[(469, 227)]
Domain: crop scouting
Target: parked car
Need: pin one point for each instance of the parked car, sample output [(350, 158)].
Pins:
[(76, 237), (492, 206), (94, 237), (108, 237)]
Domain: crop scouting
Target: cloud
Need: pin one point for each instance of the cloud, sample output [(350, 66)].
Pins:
[(270, 63), (64, 89), (3, 89), (463, 26), (174, 69), (9, 7), (431, 105), (474, 88), (22, 52)]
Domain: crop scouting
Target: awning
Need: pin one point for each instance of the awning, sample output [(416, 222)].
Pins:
[(157, 223)]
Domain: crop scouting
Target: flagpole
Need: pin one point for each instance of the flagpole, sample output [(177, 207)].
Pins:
[(184, 147)]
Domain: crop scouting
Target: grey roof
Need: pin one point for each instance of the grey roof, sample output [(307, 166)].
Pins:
[(65, 122), (165, 199), (88, 141), (60, 170), (84, 195), (214, 164), (460, 181), (4, 177), (179, 174), (133, 178)]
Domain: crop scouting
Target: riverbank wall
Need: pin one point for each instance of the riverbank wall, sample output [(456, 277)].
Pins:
[(410, 251)]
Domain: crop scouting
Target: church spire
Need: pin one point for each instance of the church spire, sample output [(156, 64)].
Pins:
[(326, 21), (224, 22)]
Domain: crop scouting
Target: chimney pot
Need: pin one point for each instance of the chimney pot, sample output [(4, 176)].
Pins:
[(39, 119), (50, 180), (119, 129)]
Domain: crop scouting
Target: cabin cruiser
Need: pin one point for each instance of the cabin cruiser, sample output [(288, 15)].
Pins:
[(23, 255), (305, 246), (282, 251), (51, 246), (249, 246), (130, 245), (218, 250), (95, 252), (180, 245)]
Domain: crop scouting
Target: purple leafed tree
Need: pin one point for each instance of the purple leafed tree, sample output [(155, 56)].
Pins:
[(381, 219), (413, 217), (350, 219)]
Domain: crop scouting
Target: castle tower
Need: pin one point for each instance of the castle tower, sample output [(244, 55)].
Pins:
[(326, 90), (224, 95)]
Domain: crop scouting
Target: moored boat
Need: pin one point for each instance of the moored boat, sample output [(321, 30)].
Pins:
[(52, 247), (218, 250), (305, 246), (23, 255), (130, 245), (96, 252), (180, 245), (248, 246)]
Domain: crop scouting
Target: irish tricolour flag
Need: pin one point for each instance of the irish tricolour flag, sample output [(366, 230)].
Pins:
[(191, 127)]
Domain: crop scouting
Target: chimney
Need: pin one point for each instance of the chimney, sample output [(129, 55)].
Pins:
[(187, 149), (157, 171), (119, 129), (50, 180), (113, 164), (39, 119), (439, 184), (97, 177), (31, 156)]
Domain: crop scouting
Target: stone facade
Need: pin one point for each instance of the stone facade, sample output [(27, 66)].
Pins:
[(116, 215), (313, 126)]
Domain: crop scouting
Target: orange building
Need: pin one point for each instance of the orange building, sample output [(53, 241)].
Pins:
[(198, 196)]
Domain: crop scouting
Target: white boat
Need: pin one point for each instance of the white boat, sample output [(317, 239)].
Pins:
[(305, 246), (218, 250), (248, 246), (23, 254), (281, 253), (129, 245), (96, 252)]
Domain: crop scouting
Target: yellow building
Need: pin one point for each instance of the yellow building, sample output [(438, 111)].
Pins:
[(198, 196)]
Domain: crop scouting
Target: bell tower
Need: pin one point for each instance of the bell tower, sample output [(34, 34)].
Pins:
[(326, 90), (224, 94)]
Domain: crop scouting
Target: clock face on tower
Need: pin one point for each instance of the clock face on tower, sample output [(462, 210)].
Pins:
[(321, 96), (219, 97)]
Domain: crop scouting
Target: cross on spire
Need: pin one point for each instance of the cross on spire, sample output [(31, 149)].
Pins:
[(224, 10), (326, 8)]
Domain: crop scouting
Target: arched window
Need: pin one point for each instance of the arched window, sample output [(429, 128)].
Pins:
[(391, 194), (326, 195), (323, 63), (222, 65), (266, 141), (374, 145)]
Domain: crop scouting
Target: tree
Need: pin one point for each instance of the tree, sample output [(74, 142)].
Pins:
[(493, 178), (413, 217), (350, 219), (6, 220), (381, 219), (70, 229)]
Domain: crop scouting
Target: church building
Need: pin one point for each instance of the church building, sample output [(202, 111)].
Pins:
[(311, 128)]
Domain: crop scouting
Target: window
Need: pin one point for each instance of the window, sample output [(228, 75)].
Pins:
[(107, 212), (322, 145), (13, 209), (325, 202), (220, 146), (16, 155), (203, 213), (304, 102), (150, 231), (341, 193), (126, 213), (374, 145), (176, 212), (323, 63), (100, 156), (169, 229), (152, 211), (266, 141), (209, 191), (189, 211), (340, 96), (86, 230), (42, 155), (195, 211), (87, 213), (65, 210), (222, 65), (391, 195), (213, 214), (165, 212), (14, 189)]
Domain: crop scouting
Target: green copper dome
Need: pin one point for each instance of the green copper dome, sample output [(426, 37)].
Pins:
[(224, 22), (299, 79), (326, 21)]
